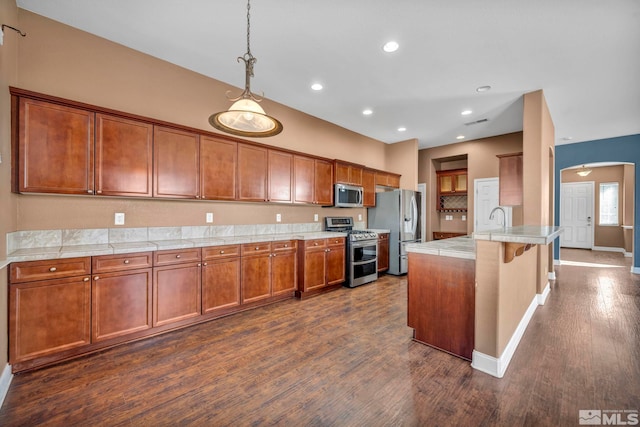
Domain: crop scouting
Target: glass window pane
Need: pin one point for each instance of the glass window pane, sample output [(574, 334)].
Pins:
[(609, 203)]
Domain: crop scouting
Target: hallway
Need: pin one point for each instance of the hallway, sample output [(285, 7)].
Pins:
[(347, 359)]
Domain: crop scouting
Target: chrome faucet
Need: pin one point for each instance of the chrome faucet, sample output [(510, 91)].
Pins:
[(504, 215)]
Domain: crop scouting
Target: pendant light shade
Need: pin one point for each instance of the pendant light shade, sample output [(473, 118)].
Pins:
[(245, 117), (583, 171)]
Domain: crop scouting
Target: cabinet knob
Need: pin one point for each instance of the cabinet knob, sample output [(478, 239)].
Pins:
[(86, 279), (96, 278), (257, 248), (315, 243), (126, 261), (286, 246), (178, 256), (52, 269), (199, 265), (221, 252), (273, 255), (205, 264), (90, 191), (99, 192)]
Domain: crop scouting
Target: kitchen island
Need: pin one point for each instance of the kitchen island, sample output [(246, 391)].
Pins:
[(473, 296)]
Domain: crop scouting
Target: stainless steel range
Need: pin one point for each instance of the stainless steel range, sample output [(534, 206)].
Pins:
[(362, 251)]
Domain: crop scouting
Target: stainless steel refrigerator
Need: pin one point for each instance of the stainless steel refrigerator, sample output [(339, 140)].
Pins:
[(399, 212)]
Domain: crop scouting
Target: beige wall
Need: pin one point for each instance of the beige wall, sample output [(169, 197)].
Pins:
[(481, 162), (606, 236), (62, 61), (8, 77)]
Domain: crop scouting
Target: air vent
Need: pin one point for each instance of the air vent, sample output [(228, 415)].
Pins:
[(476, 122)]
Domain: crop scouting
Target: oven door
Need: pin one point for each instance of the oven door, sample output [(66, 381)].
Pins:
[(363, 262)]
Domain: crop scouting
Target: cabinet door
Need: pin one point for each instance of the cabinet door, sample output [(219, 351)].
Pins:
[(304, 179), (323, 186), (280, 176), (283, 268), (460, 182), (218, 166), (48, 317), (176, 163), (256, 278), (383, 252), (124, 157), (445, 183), (342, 173), (252, 173), (355, 175), (176, 293), (314, 269), (220, 284), (121, 303), (55, 148), (369, 186), (335, 264)]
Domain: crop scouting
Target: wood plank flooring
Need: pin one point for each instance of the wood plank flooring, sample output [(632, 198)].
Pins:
[(347, 359)]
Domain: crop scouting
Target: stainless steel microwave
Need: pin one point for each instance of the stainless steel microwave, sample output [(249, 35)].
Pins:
[(348, 196)]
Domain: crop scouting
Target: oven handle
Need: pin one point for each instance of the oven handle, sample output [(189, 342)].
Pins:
[(363, 243), (364, 262)]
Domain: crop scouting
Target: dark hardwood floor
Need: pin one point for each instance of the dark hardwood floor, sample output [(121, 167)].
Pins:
[(347, 359)]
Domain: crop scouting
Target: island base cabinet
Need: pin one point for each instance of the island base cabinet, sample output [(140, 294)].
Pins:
[(48, 317), (121, 304), (176, 293), (441, 302)]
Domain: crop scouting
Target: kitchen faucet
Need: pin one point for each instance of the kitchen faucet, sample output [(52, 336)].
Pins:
[(504, 215)]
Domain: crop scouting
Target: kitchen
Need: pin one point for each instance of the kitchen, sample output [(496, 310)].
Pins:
[(41, 212)]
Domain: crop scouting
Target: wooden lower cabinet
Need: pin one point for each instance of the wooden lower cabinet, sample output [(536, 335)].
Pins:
[(441, 302), (440, 235), (284, 268), (48, 317), (220, 278), (321, 265), (176, 287), (383, 251), (268, 270)]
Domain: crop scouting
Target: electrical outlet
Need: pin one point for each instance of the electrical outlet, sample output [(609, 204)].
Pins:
[(359, 217), (315, 217), (119, 218), (278, 218), (209, 217), (464, 217)]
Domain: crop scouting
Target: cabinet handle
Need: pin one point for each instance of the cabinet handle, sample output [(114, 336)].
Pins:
[(177, 256), (126, 261), (96, 278), (52, 269), (86, 279)]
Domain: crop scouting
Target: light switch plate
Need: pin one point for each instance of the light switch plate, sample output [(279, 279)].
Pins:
[(119, 218), (315, 217), (209, 217), (278, 218), (359, 217)]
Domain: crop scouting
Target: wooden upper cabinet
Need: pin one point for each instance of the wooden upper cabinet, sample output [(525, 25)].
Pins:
[(452, 181), (55, 148), (252, 173), (323, 187), (387, 179), (304, 179), (369, 186), (280, 176), (176, 163), (218, 168), (123, 157), (511, 187), (348, 173)]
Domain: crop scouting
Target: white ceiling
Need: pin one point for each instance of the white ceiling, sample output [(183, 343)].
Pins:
[(584, 54)]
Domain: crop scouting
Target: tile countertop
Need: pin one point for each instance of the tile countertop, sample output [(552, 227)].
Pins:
[(534, 234), (70, 251), (456, 247)]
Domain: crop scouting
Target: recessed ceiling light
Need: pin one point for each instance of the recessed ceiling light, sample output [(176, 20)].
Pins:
[(367, 112), (460, 137), (402, 129), (483, 88), (316, 86), (390, 46), (466, 112)]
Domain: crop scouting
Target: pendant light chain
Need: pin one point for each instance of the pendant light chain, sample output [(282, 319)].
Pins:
[(248, 27)]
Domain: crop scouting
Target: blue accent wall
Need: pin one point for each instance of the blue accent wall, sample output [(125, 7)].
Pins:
[(622, 149)]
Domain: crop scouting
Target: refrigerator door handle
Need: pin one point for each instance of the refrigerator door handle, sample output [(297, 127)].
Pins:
[(414, 208)]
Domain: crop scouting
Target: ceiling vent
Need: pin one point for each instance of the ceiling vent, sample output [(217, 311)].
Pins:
[(476, 122)]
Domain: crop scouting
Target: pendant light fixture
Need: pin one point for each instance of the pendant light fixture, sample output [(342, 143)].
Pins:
[(583, 171), (245, 117)]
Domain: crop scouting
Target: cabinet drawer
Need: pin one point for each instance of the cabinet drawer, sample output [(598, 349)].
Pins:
[(336, 241), (215, 252), (29, 271), (107, 263), (256, 248), (285, 245), (169, 257), (316, 243)]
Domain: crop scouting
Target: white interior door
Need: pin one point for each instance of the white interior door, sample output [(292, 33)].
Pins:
[(576, 214), (487, 197)]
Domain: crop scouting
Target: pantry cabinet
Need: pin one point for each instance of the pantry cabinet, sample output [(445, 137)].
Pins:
[(176, 163), (54, 138)]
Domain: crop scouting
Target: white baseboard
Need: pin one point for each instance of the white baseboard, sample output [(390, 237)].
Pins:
[(635, 270), (556, 262), (608, 249), (628, 254), (551, 275), (542, 298), (5, 381), (497, 367)]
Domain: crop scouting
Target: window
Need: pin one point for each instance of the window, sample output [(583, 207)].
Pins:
[(609, 203)]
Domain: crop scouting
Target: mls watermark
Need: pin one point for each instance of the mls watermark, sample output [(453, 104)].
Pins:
[(608, 417)]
